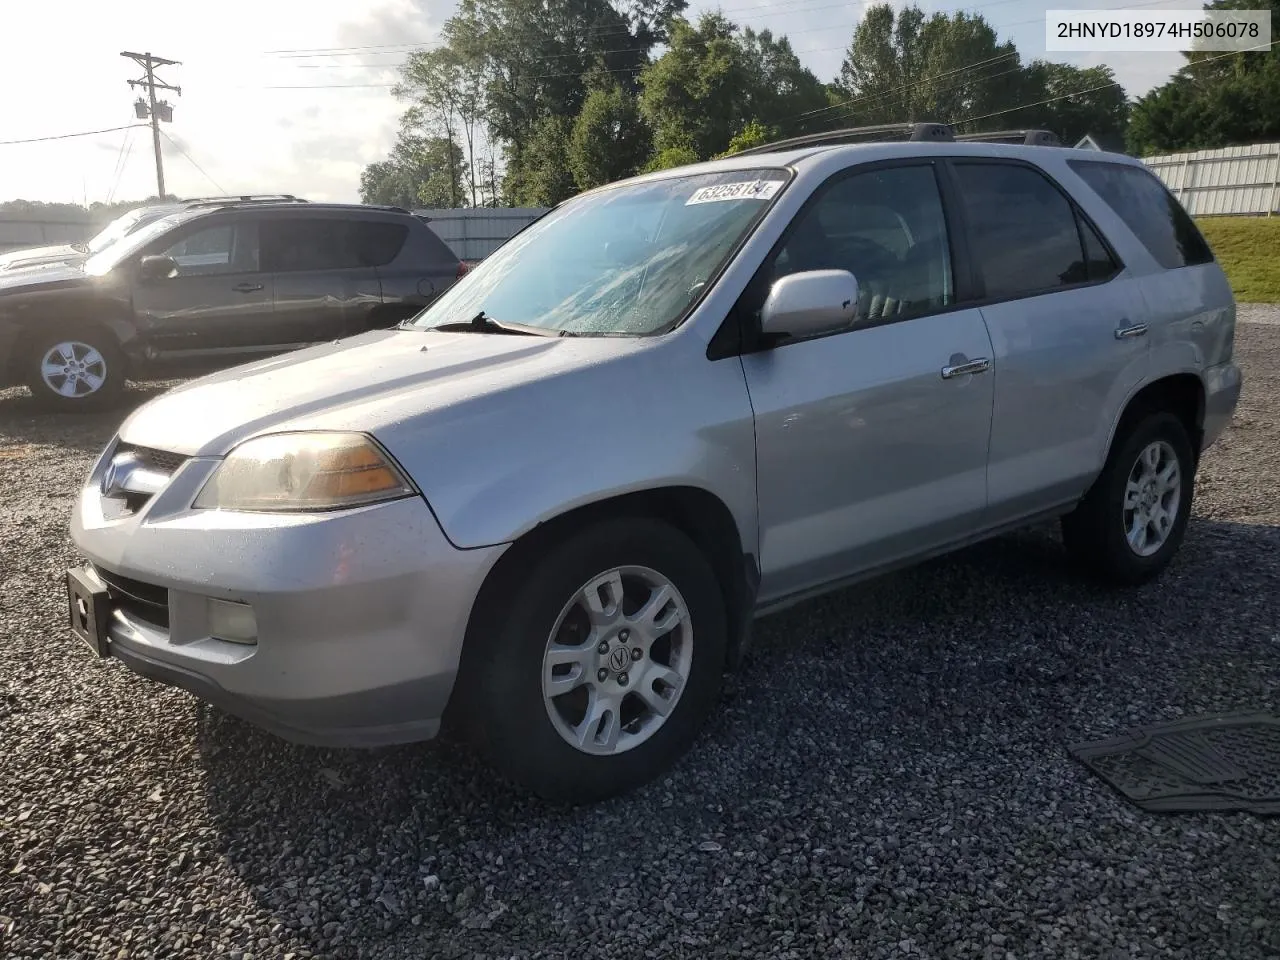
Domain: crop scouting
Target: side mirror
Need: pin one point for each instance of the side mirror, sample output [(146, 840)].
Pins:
[(810, 303), (151, 269)]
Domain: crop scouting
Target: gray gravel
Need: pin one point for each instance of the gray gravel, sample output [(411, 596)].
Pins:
[(886, 778)]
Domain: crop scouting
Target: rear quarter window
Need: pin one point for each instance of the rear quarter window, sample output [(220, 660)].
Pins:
[(377, 243), (1146, 206)]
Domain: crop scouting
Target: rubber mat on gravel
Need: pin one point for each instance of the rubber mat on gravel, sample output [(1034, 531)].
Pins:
[(1228, 761)]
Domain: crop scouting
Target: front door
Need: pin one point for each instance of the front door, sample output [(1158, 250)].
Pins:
[(872, 442), (217, 306)]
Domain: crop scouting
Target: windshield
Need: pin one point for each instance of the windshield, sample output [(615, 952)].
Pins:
[(106, 260), (624, 261), (116, 229)]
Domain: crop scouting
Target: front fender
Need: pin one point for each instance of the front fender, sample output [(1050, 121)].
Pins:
[(495, 467)]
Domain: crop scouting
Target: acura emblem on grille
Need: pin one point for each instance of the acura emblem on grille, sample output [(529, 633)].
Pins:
[(125, 474)]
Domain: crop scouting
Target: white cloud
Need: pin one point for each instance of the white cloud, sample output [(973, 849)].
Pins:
[(256, 119)]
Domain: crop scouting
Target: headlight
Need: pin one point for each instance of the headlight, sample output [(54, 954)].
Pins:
[(303, 471)]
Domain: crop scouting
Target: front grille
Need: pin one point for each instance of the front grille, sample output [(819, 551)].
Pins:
[(146, 601), (161, 460)]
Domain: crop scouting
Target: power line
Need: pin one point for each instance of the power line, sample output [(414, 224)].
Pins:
[(68, 136), (1101, 86), (121, 161), (177, 146)]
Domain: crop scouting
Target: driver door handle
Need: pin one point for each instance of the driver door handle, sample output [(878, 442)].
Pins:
[(1136, 330), (968, 368), (246, 287)]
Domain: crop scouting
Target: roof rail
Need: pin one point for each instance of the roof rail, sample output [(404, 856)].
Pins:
[(242, 198), (935, 132), (1030, 138)]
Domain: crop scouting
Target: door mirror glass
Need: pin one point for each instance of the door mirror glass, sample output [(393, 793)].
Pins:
[(152, 269), (810, 303)]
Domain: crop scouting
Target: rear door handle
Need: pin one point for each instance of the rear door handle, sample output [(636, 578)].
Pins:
[(969, 367), (1136, 330), (246, 287)]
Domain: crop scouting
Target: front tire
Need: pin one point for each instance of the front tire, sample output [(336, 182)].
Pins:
[(75, 370), (607, 662), (1130, 524)]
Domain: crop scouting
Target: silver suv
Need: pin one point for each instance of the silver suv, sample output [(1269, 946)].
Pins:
[(549, 506)]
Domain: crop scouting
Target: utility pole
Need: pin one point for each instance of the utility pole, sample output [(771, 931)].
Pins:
[(157, 111)]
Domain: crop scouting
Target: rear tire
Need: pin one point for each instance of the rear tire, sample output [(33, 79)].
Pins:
[(1133, 519), (79, 369), (645, 658)]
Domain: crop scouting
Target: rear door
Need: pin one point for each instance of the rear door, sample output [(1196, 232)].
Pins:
[(1066, 323), (323, 288), (220, 302)]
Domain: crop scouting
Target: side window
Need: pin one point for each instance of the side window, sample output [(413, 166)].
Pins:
[(307, 243), (1100, 264), (887, 228), (1149, 210), (218, 249), (1024, 233), (377, 243)]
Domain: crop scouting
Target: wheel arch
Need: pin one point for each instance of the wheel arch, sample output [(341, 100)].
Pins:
[(27, 335), (695, 511), (1182, 394)]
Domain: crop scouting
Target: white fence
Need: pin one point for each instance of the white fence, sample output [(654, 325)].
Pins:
[(25, 230), (1233, 180), (473, 233)]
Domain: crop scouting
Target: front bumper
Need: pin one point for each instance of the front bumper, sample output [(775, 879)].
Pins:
[(360, 613), (1222, 386)]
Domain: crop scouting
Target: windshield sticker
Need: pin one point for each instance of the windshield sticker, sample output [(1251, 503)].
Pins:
[(742, 190)]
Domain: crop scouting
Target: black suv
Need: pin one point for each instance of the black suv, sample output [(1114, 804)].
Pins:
[(213, 286)]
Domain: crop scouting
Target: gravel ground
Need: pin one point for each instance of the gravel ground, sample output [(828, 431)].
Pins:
[(886, 778)]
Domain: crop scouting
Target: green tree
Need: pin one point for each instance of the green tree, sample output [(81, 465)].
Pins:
[(1083, 100), (949, 68), (714, 80), (670, 157), (609, 139), (541, 176), (421, 172), (754, 134), (1213, 100)]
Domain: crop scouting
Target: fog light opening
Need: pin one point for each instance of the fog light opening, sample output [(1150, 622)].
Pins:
[(231, 621)]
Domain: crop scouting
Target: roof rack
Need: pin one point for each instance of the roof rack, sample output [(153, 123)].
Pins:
[(1030, 138), (917, 132), (936, 132), (242, 198)]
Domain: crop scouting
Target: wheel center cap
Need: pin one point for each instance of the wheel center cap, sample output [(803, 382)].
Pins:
[(619, 659)]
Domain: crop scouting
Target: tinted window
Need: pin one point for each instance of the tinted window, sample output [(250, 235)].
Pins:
[(1023, 229), (1149, 210), (313, 243), (217, 249), (378, 243), (886, 227), (1101, 265)]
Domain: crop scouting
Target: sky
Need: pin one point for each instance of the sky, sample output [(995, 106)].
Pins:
[(293, 96)]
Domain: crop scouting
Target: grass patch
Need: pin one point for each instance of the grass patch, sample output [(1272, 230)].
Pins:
[(1249, 250)]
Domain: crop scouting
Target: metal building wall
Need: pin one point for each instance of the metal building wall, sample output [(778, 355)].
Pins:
[(1232, 180), (475, 232)]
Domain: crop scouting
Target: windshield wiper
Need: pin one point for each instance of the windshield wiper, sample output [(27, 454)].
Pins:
[(483, 323)]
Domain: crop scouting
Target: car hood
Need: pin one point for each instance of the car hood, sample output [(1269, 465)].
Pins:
[(38, 278), (364, 383), (34, 256)]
